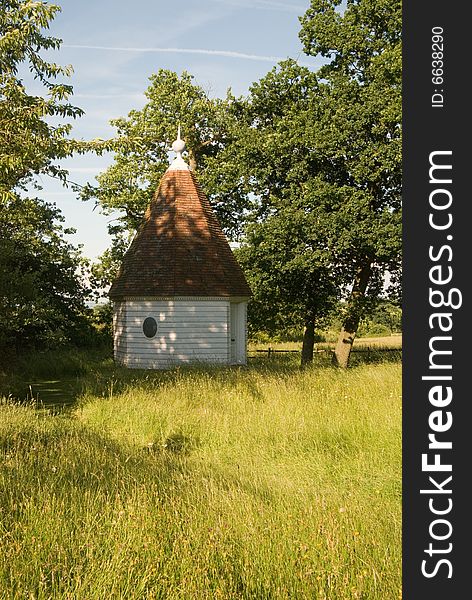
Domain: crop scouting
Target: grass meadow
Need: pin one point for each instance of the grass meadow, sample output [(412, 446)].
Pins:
[(264, 482)]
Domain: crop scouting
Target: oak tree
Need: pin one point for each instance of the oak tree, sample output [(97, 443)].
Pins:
[(360, 130)]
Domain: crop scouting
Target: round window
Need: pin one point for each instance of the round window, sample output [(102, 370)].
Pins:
[(149, 327)]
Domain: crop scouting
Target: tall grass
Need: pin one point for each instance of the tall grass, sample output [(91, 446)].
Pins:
[(18, 373), (226, 483)]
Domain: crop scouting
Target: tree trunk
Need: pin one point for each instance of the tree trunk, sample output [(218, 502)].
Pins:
[(308, 342), (342, 352)]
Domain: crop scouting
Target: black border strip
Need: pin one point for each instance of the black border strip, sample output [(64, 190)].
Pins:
[(436, 118)]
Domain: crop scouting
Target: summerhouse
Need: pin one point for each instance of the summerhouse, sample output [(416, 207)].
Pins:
[(180, 295)]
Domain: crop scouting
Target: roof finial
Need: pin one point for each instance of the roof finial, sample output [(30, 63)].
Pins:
[(178, 147)]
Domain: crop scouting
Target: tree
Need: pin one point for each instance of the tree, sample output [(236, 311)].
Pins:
[(290, 276), (328, 146), (286, 254), (41, 296), (360, 132), (29, 142)]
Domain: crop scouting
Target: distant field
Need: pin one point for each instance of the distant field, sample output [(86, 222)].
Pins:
[(259, 483), (389, 341)]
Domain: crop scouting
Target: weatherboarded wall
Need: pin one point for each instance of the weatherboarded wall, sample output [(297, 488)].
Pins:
[(119, 337), (188, 330)]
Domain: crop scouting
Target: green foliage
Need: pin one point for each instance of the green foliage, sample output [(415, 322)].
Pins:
[(285, 253), (358, 131), (102, 317), (30, 142), (384, 319), (103, 271), (289, 273), (42, 298), (41, 295), (235, 484), (359, 128), (322, 154)]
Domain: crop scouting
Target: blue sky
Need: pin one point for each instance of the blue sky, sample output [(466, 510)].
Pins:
[(115, 45)]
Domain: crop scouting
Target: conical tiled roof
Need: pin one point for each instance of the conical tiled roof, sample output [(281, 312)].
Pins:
[(180, 249)]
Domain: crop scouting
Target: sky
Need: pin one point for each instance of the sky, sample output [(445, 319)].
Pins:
[(115, 45)]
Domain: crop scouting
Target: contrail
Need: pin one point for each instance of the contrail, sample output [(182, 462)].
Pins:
[(227, 53)]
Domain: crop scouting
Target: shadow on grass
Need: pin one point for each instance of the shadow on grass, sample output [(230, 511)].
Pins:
[(47, 453), (59, 454), (67, 489), (52, 379), (97, 374)]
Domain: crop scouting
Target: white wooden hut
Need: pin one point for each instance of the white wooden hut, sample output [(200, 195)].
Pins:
[(180, 295)]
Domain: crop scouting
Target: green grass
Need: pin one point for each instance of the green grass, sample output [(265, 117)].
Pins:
[(390, 342), (266, 482), (51, 374)]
